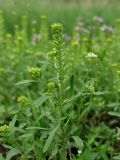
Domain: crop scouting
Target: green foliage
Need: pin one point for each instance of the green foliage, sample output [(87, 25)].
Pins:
[(60, 93)]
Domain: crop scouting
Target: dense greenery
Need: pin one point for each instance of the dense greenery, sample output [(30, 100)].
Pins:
[(60, 85)]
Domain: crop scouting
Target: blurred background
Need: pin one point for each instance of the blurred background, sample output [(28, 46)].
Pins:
[(64, 11)]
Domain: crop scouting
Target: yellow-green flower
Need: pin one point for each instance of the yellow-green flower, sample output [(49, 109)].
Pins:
[(23, 100), (57, 27), (35, 71), (90, 88), (51, 85), (53, 53), (4, 128), (91, 55)]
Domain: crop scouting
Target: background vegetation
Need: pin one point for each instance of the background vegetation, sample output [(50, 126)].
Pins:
[(60, 80)]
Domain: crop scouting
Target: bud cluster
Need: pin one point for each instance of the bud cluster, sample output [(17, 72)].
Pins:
[(4, 128), (23, 101), (35, 71)]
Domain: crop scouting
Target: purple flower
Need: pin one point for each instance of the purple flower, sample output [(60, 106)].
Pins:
[(107, 28), (98, 19)]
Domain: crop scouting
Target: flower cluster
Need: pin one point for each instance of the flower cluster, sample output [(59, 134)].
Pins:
[(53, 53), (23, 101), (107, 28), (51, 85), (90, 88), (35, 71), (4, 128), (56, 28), (91, 55)]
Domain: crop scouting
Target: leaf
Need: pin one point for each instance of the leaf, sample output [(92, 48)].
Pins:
[(50, 139), (25, 82), (54, 152), (1, 157), (78, 142), (11, 153), (98, 93), (37, 128), (116, 114), (25, 136), (88, 155), (12, 125), (104, 156), (116, 157), (40, 101)]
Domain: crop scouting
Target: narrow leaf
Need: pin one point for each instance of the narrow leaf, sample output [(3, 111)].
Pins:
[(116, 114), (26, 82), (13, 152), (50, 139), (78, 142)]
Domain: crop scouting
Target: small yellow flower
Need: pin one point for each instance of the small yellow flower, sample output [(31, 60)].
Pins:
[(91, 55), (51, 85), (53, 53), (57, 27), (23, 100), (35, 71), (90, 88), (4, 128)]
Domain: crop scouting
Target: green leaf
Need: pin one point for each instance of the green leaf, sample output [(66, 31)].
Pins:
[(98, 93), (40, 101), (29, 135), (12, 125), (37, 128), (78, 142), (26, 82), (88, 155), (116, 114), (50, 139), (1, 157), (116, 157), (11, 153)]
